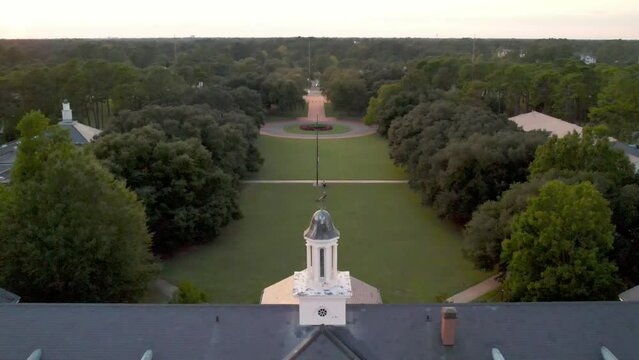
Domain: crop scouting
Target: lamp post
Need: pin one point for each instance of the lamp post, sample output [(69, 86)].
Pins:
[(317, 150)]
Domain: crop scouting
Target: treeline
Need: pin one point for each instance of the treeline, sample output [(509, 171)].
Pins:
[(98, 90), (101, 76), (181, 137), (572, 91), (164, 174), (147, 52), (474, 166)]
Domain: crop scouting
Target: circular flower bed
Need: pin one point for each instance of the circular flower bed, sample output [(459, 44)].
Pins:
[(314, 127)]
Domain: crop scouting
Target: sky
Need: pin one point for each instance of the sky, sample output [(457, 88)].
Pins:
[(575, 19)]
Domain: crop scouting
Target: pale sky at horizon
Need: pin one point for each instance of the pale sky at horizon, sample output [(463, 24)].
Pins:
[(585, 19)]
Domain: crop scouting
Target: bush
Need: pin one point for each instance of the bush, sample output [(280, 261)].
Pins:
[(189, 294)]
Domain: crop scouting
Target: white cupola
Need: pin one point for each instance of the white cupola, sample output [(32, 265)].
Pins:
[(321, 288), (67, 115)]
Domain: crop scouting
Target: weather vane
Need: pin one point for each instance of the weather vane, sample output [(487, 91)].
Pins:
[(322, 199)]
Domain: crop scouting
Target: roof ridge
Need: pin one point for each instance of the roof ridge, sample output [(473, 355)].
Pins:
[(340, 344), (331, 336), (302, 345)]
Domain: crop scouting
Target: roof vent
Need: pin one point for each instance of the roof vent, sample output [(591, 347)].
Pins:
[(35, 355), (497, 354), (607, 354), (148, 355)]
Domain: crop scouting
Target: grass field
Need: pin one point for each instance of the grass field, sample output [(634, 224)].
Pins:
[(337, 129), (356, 158), (388, 240)]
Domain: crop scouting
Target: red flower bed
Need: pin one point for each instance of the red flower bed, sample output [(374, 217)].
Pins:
[(318, 127)]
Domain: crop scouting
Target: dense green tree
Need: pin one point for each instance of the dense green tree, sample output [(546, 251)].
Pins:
[(379, 102), (542, 85), (589, 151), (189, 294), (559, 246), (618, 104), (469, 172), (491, 223), (570, 97), (283, 90), (346, 90), (70, 232), (163, 87), (188, 197), (415, 138), (229, 137), (625, 205)]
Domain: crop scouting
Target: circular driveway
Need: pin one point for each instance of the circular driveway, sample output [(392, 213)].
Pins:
[(277, 129), (316, 102)]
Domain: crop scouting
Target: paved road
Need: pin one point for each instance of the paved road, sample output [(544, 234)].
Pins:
[(316, 111), (326, 181), (475, 291)]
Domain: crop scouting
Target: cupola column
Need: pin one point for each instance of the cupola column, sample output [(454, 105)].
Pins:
[(334, 248), (328, 261), (316, 263)]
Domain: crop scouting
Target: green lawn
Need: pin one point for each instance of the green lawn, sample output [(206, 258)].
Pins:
[(388, 240), (363, 157), (337, 129)]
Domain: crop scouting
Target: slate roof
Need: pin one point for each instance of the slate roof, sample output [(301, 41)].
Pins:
[(631, 294), (80, 134), (8, 297), (521, 331), (537, 121), (8, 153)]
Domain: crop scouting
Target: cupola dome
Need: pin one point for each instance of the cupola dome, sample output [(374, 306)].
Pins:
[(321, 227)]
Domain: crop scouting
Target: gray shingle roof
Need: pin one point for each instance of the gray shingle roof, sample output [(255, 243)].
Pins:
[(8, 153), (627, 149), (80, 134), (522, 331), (631, 294), (8, 297)]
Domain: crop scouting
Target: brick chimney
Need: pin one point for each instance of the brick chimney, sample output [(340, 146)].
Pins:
[(449, 317)]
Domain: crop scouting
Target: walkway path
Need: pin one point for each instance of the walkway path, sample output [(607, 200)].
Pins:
[(316, 111), (326, 181), (475, 291), (316, 103)]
